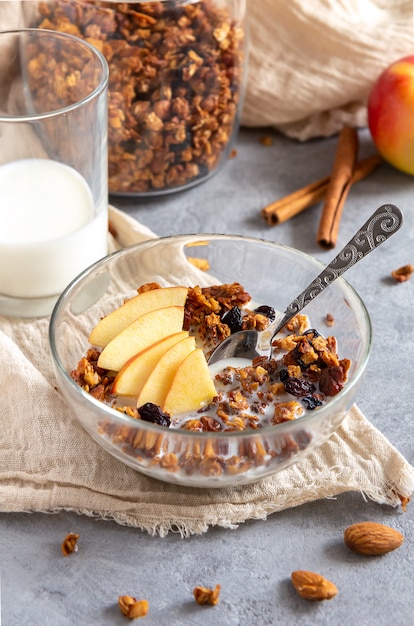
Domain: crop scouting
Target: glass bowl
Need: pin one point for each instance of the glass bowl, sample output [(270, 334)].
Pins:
[(273, 274)]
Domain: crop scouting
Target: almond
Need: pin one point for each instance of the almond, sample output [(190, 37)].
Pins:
[(372, 538), (312, 586)]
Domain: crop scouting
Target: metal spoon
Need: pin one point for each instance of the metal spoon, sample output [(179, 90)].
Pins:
[(383, 223)]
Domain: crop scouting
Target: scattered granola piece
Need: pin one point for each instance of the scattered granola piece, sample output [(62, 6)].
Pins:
[(69, 544), (132, 608), (312, 586), (266, 140), (233, 153), (404, 501), (205, 595), (403, 273), (329, 320)]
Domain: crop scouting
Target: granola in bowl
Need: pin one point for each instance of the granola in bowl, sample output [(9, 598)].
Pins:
[(210, 429), (303, 373)]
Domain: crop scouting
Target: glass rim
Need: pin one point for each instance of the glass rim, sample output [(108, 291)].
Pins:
[(96, 92)]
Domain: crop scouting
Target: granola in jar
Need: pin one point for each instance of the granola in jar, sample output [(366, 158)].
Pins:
[(176, 73)]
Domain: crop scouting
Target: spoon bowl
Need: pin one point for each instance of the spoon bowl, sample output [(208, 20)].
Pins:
[(248, 344)]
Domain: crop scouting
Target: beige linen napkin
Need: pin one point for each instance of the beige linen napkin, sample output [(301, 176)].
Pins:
[(49, 464), (312, 64)]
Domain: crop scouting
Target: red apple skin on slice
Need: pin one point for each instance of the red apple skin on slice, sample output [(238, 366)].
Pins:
[(159, 381), (132, 376), (115, 322), (192, 386), (143, 332)]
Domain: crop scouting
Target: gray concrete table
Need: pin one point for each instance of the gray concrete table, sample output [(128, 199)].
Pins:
[(253, 562)]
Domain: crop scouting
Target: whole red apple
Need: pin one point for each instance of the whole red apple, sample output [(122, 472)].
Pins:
[(391, 114)]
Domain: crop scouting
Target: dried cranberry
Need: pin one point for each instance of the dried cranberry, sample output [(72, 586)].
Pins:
[(312, 401), (298, 386), (150, 412), (266, 310), (233, 318)]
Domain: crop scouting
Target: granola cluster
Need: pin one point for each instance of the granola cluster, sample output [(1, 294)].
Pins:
[(69, 544), (304, 370), (206, 307), (206, 595), (132, 608), (403, 273), (175, 73)]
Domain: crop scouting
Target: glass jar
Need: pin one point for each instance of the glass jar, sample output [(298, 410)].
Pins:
[(176, 76)]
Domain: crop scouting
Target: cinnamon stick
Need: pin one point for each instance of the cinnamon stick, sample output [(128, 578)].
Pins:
[(338, 187), (296, 202), (364, 167), (285, 208)]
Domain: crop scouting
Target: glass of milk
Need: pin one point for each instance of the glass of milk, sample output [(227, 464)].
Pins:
[(53, 166)]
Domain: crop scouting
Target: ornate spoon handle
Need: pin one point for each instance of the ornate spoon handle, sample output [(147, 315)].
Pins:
[(383, 223)]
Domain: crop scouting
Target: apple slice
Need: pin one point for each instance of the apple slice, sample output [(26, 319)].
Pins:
[(159, 381), (192, 386), (115, 322), (143, 332), (132, 376)]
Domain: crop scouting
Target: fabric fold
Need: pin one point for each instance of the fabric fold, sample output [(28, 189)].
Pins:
[(312, 65), (48, 463)]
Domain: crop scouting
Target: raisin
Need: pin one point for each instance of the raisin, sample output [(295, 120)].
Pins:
[(332, 380), (312, 401), (267, 311), (283, 375), (298, 386), (150, 412), (233, 318), (312, 331)]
